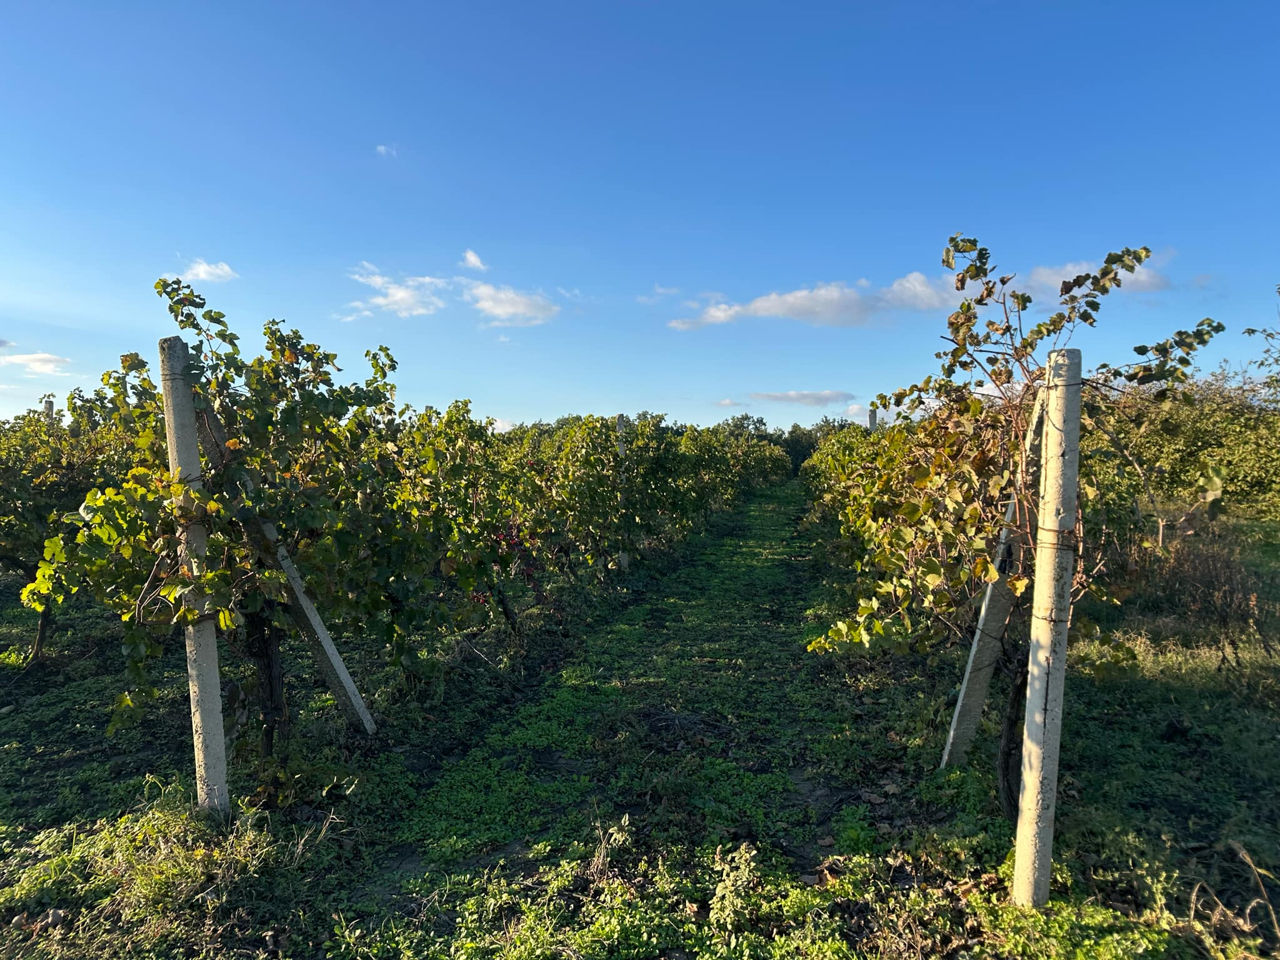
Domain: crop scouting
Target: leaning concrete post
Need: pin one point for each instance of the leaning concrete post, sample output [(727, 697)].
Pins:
[(334, 671), (623, 560), (332, 668), (1050, 615), (202, 639), (996, 607)]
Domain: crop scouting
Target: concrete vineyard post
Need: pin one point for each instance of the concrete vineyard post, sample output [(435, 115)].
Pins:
[(624, 561), (48, 410), (996, 607), (871, 419), (1050, 614), (201, 636)]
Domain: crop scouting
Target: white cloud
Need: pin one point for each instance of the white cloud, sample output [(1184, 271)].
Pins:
[(503, 338), (204, 272), (992, 391), (1044, 283), (356, 311), (916, 292), (383, 150), (502, 425), (471, 260), (424, 295), (510, 307), (1145, 279), (854, 409), (810, 398), (827, 304), (37, 364), (729, 402), (659, 292), (410, 297), (838, 304)]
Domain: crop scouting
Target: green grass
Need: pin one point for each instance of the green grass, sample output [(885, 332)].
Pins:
[(672, 776)]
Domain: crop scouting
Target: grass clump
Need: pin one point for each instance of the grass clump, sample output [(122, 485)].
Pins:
[(154, 881)]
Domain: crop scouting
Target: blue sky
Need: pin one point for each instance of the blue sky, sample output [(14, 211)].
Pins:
[(674, 204)]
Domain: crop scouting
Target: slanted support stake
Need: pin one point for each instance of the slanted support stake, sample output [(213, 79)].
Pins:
[(992, 620), (302, 610)]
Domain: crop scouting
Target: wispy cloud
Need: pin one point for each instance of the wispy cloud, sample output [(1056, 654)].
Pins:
[(5, 343), (915, 291), (204, 272), (410, 297), (471, 260), (502, 425), (827, 304), (1146, 279), (356, 310), (385, 150), (809, 398), (658, 293), (418, 296), (510, 307), (729, 402), (1045, 283), (37, 364)]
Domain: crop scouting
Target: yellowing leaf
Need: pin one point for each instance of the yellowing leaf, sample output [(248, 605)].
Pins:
[(987, 570)]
